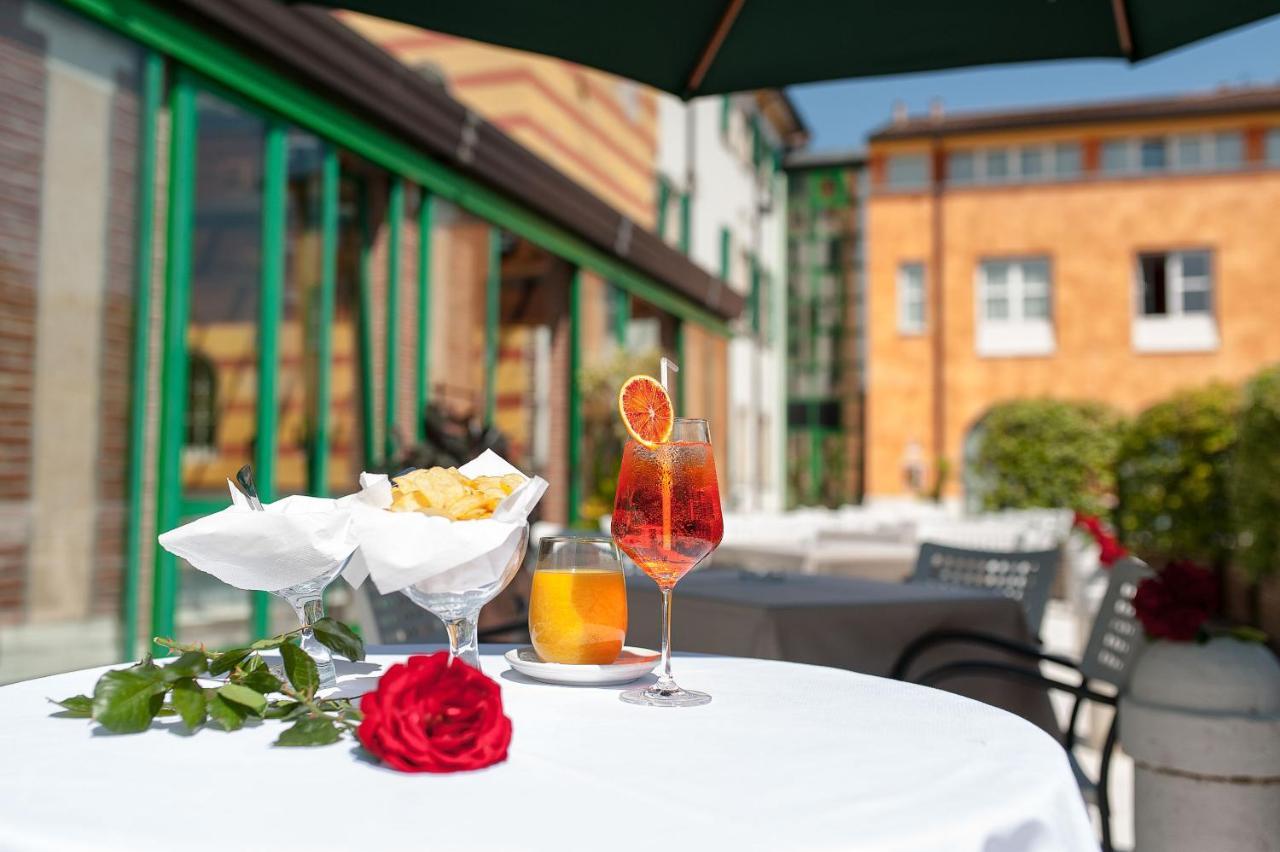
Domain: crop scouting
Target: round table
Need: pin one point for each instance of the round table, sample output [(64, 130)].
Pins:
[(786, 756)]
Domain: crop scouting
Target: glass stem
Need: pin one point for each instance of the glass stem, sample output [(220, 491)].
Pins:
[(310, 610), (665, 682), (462, 640)]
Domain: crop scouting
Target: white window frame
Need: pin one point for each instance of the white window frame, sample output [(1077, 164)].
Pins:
[(907, 325), (1013, 157), (1017, 334), (1176, 330), (1208, 141)]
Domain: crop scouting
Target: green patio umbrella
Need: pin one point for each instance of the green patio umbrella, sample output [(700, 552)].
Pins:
[(703, 47)]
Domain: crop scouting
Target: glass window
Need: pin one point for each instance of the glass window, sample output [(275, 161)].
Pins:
[(1175, 283), (1188, 153), (1031, 166), (1228, 150), (997, 164), (1153, 154), (908, 171), (1066, 159), (911, 298), (1115, 156), (1015, 290), (1273, 146), (960, 167)]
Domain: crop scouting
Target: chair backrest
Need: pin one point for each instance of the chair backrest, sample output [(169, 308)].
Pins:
[(398, 620), (1116, 637), (1025, 576)]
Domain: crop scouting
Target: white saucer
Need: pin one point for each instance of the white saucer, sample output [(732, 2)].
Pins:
[(631, 664)]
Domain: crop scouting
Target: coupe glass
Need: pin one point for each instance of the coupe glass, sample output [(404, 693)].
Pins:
[(667, 518), (307, 600), (578, 605), (456, 596)]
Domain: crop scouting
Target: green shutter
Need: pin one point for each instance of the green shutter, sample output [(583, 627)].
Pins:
[(726, 248), (664, 196), (686, 234), (726, 106)]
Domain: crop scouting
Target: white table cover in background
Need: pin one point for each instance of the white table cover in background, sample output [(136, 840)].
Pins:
[(785, 757)]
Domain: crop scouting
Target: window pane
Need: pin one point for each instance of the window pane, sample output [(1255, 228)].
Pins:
[(1066, 159), (960, 167), (1195, 264), (908, 171), (1154, 281), (1035, 289), (1115, 156), (1228, 150), (1188, 153), (1195, 301), (1273, 146), (1032, 165), (1153, 154), (911, 297), (995, 291), (997, 164)]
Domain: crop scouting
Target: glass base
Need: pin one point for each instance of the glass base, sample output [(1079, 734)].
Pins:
[(665, 696)]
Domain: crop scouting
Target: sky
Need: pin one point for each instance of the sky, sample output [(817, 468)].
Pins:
[(840, 114)]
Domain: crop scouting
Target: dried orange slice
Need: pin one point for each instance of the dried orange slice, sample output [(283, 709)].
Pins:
[(646, 410)]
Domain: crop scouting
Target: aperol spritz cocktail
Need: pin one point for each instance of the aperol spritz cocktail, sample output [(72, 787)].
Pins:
[(667, 518)]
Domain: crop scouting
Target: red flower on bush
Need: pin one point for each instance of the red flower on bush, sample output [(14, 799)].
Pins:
[(1110, 549), (1177, 602), (431, 715)]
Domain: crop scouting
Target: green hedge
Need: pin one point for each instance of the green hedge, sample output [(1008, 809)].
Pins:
[(1255, 477), (1172, 477), (1045, 453)]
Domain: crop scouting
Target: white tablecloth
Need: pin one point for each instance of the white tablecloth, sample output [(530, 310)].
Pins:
[(785, 757)]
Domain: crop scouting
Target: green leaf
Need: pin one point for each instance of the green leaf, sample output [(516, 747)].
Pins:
[(310, 732), (284, 709), (339, 638), (188, 699), (78, 706), (252, 664), (272, 643), (259, 680), (1247, 634), (254, 702), (227, 660), (300, 669), (226, 713), (125, 702), (190, 664)]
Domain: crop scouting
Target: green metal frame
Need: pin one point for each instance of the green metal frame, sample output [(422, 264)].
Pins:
[(173, 397), (492, 316), (395, 224), (151, 25), (366, 329), (686, 226), (426, 213), (621, 315), (663, 198), (151, 95), (573, 494), (726, 252), (679, 405), (330, 176)]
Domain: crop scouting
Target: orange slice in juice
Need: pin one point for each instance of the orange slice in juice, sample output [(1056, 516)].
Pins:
[(646, 410)]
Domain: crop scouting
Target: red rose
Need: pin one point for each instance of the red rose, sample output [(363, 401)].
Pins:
[(430, 715), (1110, 550), (1177, 602)]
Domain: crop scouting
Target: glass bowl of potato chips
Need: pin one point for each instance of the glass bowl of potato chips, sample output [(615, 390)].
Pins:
[(457, 595)]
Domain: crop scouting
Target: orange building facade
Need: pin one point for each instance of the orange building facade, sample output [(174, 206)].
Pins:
[(1117, 252)]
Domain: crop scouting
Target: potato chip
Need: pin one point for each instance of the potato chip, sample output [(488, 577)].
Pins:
[(447, 493)]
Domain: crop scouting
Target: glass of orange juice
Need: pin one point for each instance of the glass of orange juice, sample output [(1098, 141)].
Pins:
[(578, 606)]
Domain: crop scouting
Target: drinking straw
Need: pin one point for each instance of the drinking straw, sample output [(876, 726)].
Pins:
[(665, 367)]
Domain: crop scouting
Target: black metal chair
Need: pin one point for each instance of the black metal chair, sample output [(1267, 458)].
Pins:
[(1114, 643), (1025, 576)]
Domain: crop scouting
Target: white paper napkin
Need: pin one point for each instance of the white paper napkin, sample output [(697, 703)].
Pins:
[(294, 540), (399, 549)]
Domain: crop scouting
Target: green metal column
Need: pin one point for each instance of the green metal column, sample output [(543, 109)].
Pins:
[(369, 425), (493, 306), (173, 395), (679, 404), (271, 305), (329, 177), (395, 222), (152, 92), (574, 449), (621, 316), (426, 212)]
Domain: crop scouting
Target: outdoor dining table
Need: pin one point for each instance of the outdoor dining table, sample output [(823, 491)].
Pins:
[(846, 622), (784, 757)]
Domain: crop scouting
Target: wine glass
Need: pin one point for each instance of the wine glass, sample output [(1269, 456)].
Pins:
[(457, 595), (578, 604), (667, 518), (307, 600)]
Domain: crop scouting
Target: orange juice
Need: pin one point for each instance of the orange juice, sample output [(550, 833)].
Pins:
[(578, 616)]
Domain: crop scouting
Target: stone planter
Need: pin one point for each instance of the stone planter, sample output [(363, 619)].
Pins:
[(1202, 724)]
